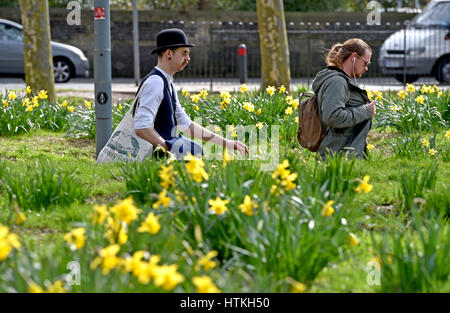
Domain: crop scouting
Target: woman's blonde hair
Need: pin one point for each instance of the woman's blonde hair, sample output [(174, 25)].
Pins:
[(340, 52)]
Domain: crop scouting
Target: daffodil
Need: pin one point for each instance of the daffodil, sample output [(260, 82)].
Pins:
[(116, 231), (26, 102), (270, 90), (76, 238), (70, 108), (259, 125), (12, 95), (297, 287), (327, 209), (402, 94), (288, 111), (56, 287), (194, 167), (34, 288), (432, 151), (185, 93), (206, 261), (203, 94), (218, 206), (195, 98), (249, 107), (100, 214), (167, 277), (162, 200), (370, 147), (150, 225), (353, 240), (364, 185), (28, 90), (87, 104), (107, 259), (425, 142), (259, 112), (378, 95), (447, 134), (125, 210), (20, 218), (225, 95), (410, 88), (282, 89), (224, 103), (8, 242), (43, 94), (64, 103), (295, 103), (167, 176), (243, 88), (248, 206), (5, 103), (204, 284), (420, 99), (226, 158)]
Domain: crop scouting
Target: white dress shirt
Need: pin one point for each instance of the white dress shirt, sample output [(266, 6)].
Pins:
[(150, 97)]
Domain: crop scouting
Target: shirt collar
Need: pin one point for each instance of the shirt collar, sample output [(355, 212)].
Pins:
[(167, 76)]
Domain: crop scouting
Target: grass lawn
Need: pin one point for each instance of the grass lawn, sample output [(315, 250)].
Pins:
[(234, 228)]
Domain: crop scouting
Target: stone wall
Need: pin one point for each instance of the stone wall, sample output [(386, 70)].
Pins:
[(217, 36)]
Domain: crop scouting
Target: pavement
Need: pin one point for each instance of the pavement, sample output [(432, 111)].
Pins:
[(125, 88)]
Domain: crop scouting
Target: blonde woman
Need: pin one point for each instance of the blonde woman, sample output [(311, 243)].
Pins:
[(345, 109)]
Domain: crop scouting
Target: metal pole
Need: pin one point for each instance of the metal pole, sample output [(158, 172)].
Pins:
[(210, 59), (404, 55), (308, 68), (102, 73), (242, 63), (137, 71)]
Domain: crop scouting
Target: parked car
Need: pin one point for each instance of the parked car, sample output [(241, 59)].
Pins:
[(427, 49), (68, 61)]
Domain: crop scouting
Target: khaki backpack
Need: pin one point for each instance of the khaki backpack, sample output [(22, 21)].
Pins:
[(310, 131)]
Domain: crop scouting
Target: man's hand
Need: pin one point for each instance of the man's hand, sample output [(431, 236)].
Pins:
[(237, 145)]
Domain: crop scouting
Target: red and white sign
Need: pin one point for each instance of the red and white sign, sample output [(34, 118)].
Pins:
[(99, 13)]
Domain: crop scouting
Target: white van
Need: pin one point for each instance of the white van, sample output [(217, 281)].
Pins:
[(427, 41)]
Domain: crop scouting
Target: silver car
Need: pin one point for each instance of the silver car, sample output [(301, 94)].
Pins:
[(423, 49), (68, 61)]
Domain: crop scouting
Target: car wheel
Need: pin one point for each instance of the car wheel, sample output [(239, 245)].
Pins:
[(442, 73), (408, 79), (63, 70)]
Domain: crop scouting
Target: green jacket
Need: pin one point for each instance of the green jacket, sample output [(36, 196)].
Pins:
[(349, 122)]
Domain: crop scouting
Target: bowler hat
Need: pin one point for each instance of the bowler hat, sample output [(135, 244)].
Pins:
[(170, 38)]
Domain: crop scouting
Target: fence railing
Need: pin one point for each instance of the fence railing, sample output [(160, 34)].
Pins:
[(402, 53)]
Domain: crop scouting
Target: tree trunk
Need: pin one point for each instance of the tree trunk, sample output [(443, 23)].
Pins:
[(275, 70), (37, 50)]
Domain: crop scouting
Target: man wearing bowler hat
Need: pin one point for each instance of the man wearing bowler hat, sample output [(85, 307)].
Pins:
[(160, 113)]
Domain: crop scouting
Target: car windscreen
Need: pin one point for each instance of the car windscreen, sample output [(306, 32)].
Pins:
[(437, 14)]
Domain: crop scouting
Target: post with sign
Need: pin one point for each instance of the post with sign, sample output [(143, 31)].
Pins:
[(102, 73)]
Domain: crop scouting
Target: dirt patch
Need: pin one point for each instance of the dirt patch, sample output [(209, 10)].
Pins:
[(376, 136), (81, 143), (35, 231)]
